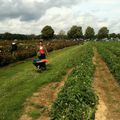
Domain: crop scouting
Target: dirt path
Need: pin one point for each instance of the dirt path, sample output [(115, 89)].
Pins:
[(107, 90), (39, 105)]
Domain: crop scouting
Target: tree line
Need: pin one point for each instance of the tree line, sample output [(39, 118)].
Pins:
[(75, 33)]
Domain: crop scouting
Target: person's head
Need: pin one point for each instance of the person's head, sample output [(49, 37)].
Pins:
[(41, 42)]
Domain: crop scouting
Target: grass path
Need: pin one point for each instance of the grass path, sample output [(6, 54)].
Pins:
[(108, 91), (17, 82), (39, 104)]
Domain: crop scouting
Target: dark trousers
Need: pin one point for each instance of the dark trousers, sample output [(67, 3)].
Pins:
[(43, 64)]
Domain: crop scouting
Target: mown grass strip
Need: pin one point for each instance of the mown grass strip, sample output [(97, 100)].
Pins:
[(77, 100)]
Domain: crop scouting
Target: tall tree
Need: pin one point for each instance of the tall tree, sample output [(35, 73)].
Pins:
[(118, 35), (75, 32), (103, 33), (113, 35), (7, 36), (47, 32), (89, 33)]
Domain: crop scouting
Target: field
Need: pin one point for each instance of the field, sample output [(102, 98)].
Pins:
[(111, 55), (27, 49), (81, 83)]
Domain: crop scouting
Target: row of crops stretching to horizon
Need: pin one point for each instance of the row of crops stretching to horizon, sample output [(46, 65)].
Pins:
[(110, 52), (77, 100)]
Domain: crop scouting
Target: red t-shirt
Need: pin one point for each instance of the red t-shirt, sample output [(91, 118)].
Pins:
[(42, 51)]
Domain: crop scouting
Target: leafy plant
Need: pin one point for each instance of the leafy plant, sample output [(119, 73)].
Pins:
[(110, 53), (77, 100)]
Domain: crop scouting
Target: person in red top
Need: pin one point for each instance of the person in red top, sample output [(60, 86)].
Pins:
[(42, 53)]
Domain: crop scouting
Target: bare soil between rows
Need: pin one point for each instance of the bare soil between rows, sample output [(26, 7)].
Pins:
[(107, 89), (42, 100)]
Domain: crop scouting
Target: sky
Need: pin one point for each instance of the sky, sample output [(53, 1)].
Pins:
[(30, 16)]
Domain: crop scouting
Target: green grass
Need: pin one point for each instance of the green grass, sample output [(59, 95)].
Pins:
[(34, 114), (37, 111), (19, 81)]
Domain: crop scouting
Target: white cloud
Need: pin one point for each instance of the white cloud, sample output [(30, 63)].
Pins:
[(30, 16)]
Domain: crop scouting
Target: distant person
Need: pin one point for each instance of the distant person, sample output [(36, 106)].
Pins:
[(13, 47), (42, 51)]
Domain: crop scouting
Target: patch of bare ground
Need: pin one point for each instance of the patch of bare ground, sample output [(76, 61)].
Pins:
[(38, 106), (107, 90)]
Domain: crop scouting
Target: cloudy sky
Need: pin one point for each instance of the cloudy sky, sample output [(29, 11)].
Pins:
[(30, 16)]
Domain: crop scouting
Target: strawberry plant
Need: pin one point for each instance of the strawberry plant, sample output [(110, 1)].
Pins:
[(110, 53), (77, 100)]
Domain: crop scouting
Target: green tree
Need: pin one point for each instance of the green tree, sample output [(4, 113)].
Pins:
[(7, 36), (118, 35), (47, 32), (103, 33), (89, 33), (113, 35), (75, 32)]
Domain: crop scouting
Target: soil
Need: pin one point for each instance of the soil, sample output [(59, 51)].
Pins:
[(107, 89), (42, 100)]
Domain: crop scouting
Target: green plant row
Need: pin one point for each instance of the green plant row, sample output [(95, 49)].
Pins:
[(115, 50), (77, 100), (113, 46), (112, 61)]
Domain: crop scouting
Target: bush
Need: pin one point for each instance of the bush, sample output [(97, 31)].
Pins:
[(28, 50)]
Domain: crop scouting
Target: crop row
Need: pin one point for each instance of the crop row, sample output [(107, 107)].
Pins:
[(114, 47), (28, 50), (115, 50), (77, 100), (111, 59)]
